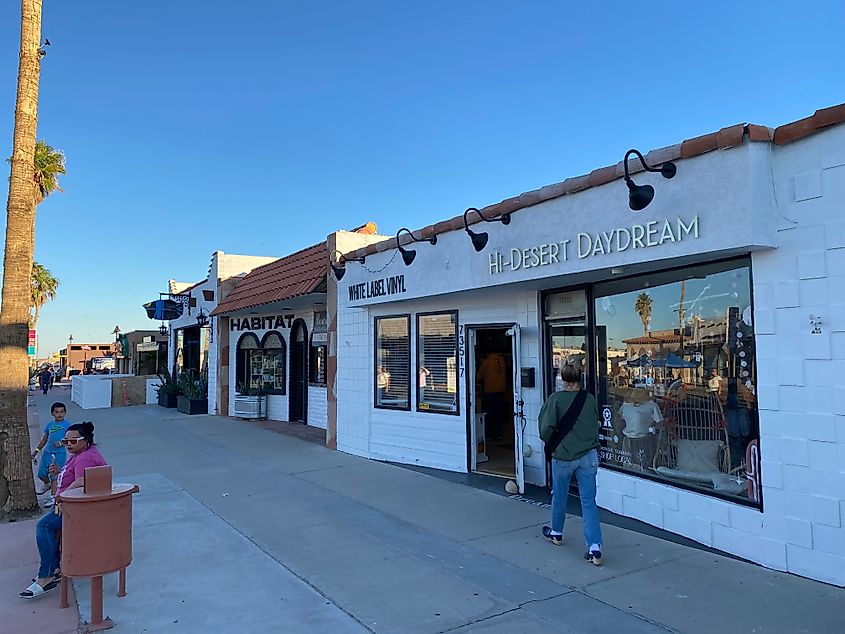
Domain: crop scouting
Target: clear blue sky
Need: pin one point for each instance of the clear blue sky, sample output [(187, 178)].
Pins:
[(259, 127)]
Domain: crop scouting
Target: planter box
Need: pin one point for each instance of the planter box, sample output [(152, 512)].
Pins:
[(250, 406), (166, 400), (192, 406)]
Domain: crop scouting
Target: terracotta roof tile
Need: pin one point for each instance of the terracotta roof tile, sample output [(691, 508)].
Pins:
[(725, 138), (759, 132), (730, 137), (807, 126), (297, 274), (699, 145)]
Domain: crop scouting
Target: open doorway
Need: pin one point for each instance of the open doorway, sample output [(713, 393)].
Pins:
[(491, 406)]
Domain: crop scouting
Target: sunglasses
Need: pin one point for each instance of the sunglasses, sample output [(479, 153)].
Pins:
[(71, 441)]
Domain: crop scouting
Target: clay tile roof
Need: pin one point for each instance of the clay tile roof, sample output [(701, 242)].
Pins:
[(723, 139), (297, 274)]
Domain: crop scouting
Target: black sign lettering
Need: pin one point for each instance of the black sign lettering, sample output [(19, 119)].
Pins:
[(394, 285)]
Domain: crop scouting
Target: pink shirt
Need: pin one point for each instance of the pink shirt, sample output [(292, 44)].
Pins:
[(75, 467)]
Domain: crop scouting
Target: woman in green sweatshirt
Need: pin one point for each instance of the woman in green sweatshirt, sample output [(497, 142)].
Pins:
[(577, 453)]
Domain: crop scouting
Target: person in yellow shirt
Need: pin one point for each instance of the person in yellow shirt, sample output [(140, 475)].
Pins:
[(492, 381)]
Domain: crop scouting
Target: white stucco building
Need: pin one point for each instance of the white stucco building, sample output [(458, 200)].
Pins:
[(191, 347), (710, 325)]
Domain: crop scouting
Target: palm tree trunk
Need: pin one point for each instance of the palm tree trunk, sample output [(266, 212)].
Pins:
[(17, 270)]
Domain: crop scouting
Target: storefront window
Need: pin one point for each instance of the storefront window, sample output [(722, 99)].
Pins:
[(676, 378), (317, 362), (392, 378), (437, 354), (261, 366)]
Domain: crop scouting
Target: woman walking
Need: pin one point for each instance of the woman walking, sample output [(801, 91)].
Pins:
[(569, 425)]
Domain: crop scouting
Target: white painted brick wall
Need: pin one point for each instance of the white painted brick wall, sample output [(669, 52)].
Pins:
[(801, 399)]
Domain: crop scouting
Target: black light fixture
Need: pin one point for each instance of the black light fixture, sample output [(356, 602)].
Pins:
[(162, 330), (340, 271), (479, 240), (639, 196), (408, 255), (202, 319)]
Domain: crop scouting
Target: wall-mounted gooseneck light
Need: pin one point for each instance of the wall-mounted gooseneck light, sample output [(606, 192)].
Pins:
[(479, 240), (408, 255), (639, 196), (340, 271)]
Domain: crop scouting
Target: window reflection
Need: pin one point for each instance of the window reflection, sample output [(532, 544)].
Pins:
[(677, 378)]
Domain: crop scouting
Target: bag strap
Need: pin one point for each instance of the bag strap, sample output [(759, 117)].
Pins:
[(565, 423)]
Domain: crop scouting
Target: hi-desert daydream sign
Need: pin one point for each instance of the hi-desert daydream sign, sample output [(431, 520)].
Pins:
[(586, 245)]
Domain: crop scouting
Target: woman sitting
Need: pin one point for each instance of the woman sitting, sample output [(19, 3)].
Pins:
[(82, 453)]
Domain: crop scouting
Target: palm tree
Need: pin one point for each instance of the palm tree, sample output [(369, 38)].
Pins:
[(643, 308), (17, 271), (49, 163), (44, 287)]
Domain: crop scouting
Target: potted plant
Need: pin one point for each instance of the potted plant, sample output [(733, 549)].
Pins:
[(168, 390), (193, 393), (250, 402)]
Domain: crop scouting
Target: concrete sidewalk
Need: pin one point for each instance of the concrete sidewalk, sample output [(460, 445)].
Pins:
[(239, 527)]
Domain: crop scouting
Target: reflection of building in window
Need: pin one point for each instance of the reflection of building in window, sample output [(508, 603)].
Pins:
[(682, 400), (393, 362), (437, 353)]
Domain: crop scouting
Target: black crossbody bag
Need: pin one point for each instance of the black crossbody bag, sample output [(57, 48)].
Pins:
[(565, 423)]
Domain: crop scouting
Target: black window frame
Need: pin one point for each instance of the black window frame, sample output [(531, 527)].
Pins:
[(376, 405), (593, 379), (455, 315), (313, 356)]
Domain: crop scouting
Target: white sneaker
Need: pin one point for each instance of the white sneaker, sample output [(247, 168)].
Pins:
[(48, 502)]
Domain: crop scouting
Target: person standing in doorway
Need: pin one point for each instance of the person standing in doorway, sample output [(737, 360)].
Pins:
[(569, 425), (492, 382)]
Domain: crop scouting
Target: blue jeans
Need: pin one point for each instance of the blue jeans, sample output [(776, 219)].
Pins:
[(48, 544), (585, 470)]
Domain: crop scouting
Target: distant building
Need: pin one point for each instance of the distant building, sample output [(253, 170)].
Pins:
[(76, 357)]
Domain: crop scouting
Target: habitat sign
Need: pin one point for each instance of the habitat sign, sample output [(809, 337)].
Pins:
[(587, 245)]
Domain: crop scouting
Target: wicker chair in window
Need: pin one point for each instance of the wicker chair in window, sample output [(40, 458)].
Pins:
[(692, 416)]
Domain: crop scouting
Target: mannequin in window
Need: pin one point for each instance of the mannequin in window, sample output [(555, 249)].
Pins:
[(382, 382), (641, 415), (492, 382)]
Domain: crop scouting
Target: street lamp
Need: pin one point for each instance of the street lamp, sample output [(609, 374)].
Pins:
[(408, 255), (202, 319), (479, 240), (639, 196), (340, 271), (162, 330)]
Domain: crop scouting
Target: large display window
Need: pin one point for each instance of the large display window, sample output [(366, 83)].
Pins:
[(260, 366), (676, 380)]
